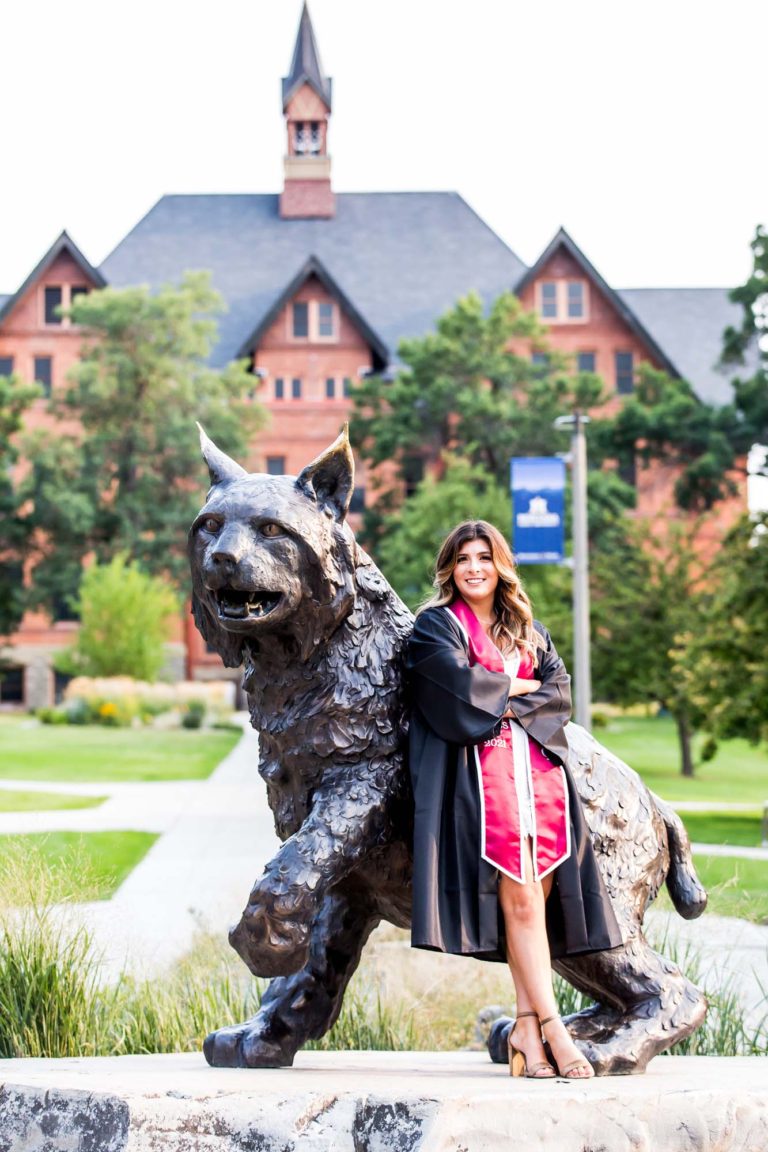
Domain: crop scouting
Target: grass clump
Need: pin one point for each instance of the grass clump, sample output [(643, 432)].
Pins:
[(50, 1001), (106, 859)]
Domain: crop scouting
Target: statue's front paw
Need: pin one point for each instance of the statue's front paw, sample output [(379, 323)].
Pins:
[(273, 934), (247, 1046)]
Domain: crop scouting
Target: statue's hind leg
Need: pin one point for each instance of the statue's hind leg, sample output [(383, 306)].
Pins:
[(644, 1004), (302, 1006)]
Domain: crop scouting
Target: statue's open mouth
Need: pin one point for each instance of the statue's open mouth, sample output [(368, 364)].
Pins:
[(245, 604)]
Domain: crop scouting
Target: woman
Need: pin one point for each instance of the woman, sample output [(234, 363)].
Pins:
[(503, 866)]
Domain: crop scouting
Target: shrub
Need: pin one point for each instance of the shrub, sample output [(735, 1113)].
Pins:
[(124, 623), (194, 715)]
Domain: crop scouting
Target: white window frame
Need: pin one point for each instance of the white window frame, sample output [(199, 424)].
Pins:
[(561, 301)]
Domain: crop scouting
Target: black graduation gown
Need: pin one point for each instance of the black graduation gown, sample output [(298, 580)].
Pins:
[(455, 891)]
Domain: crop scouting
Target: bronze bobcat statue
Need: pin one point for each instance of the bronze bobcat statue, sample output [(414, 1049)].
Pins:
[(280, 585)]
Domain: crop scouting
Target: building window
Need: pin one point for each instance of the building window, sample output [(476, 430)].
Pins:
[(12, 684), (275, 465), (357, 503), (296, 389), (325, 320), (540, 359), (77, 290), (279, 388), (564, 301), (44, 373), (575, 299), (52, 304), (300, 320), (6, 365), (347, 387), (413, 473), (585, 361), (625, 375), (330, 388), (548, 306), (628, 470)]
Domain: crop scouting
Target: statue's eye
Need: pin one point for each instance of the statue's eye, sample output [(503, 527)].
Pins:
[(210, 524), (271, 529)]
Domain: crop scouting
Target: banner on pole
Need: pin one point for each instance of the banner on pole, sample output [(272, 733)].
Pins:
[(537, 484)]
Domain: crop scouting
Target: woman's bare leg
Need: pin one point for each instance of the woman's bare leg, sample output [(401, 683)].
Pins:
[(523, 907)]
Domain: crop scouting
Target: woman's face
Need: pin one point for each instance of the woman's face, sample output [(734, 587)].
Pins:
[(475, 575)]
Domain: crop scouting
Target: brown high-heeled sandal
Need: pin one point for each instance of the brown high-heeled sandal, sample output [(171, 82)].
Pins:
[(567, 1073), (518, 1061)]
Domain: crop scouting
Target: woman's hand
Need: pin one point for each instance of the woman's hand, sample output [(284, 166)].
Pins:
[(522, 687)]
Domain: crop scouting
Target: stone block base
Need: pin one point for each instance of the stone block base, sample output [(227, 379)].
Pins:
[(377, 1102)]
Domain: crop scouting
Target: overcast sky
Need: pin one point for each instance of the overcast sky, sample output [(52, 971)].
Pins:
[(639, 127)]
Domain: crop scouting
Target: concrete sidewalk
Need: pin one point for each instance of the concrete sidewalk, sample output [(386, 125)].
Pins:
[(217, 836)]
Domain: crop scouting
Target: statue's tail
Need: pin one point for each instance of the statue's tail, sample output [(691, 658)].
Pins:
[(688, 894)]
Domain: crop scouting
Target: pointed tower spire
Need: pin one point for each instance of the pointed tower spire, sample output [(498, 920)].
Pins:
[(305, 65), (307, 108)]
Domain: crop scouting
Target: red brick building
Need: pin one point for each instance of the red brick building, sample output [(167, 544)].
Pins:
[(321, 287)]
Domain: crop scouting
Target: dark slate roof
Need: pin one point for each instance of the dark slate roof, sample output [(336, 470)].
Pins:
[(689, 324), (402, 258), (305, 65), (4, 300), (62, 243), (563, 240)]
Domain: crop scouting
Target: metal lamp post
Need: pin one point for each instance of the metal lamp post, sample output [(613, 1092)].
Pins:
[(581, 636)]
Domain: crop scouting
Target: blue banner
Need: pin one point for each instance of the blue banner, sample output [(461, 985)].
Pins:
[(538, 509)]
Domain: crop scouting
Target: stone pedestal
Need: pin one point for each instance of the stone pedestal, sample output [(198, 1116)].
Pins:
[(377, 1102)]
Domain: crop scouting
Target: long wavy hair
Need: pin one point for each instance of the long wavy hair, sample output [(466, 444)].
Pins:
[(513, 626)]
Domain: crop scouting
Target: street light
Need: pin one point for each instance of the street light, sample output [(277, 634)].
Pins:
[(581, 638)]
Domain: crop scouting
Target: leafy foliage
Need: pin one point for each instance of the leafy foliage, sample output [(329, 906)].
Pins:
[(648, 599), (751, 336), (726, 669), (663, 420), (15, 398), (121, 469), (125, 619)]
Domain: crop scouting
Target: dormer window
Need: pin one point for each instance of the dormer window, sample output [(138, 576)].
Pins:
[(314, 320), (53, 300), (562, 301), (58, 298), (300, 320)]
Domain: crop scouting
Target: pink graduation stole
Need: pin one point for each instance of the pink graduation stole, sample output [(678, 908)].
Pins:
[(497, 760)]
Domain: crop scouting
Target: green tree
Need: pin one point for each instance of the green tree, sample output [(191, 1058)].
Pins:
[(463, 391), (121, 471), (15, 398), (125, 619), (664, 420), (725, 669), (751, 338), (648, 600)]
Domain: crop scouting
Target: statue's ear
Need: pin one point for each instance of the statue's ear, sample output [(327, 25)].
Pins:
[(222, 468), (330, 479)]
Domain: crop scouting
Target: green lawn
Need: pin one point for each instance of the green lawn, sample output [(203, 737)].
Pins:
[(99, 861), (58, 752), (13, 801), (736, 887), (737, 774), (741, 828)]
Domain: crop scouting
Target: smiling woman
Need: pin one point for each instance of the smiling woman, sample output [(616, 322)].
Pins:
[(503, 866)]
